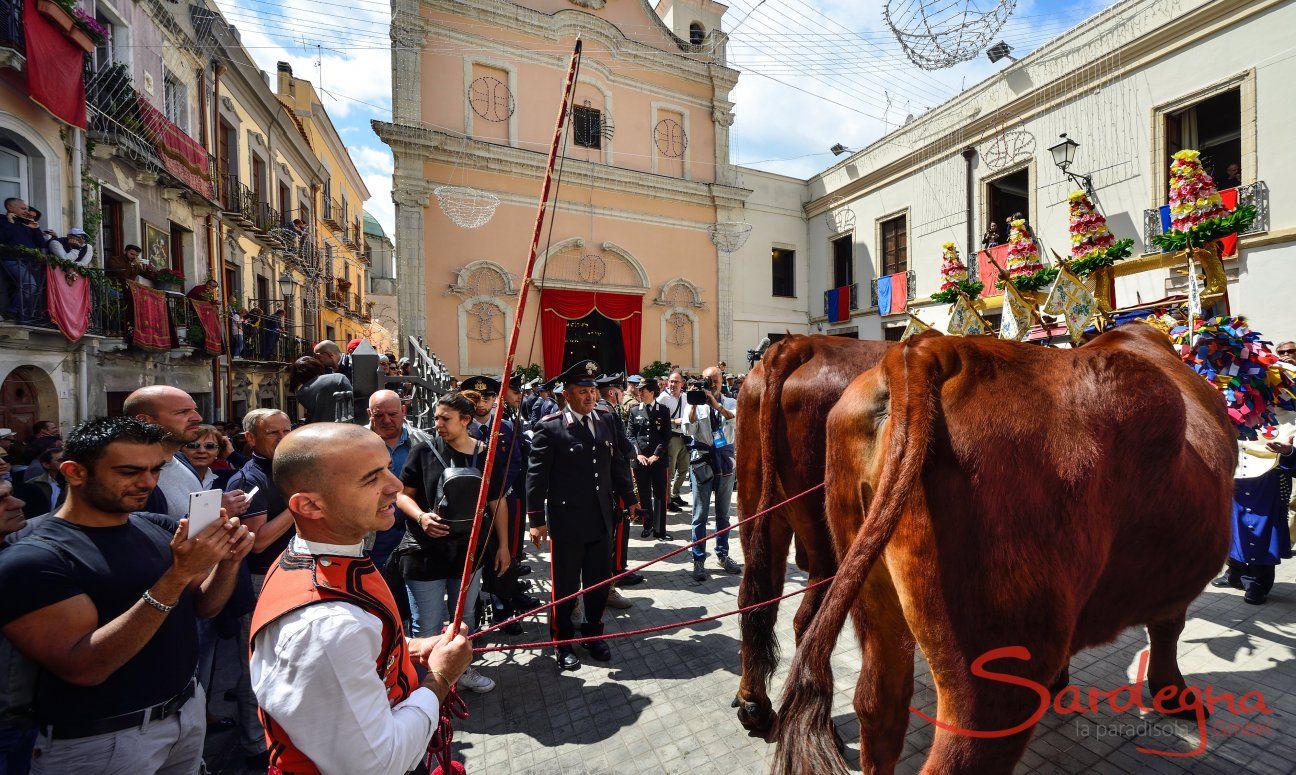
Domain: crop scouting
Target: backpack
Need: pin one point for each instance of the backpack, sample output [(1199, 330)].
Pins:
[(18, 674)]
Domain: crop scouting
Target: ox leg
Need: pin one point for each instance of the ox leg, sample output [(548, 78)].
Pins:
[(1163, 669), (886, 681), (759, 653)]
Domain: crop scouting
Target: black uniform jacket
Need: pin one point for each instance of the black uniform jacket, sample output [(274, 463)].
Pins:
[(573, 477), (650, 429)]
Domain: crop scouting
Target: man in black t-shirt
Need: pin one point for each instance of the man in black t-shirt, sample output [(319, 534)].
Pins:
[(109, 606)]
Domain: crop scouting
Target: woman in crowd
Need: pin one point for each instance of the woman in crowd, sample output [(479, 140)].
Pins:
[(650, 431), (434, 551), (315, 388), (203, 453)]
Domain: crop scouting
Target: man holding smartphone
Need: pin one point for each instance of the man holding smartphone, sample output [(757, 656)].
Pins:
[(711, 467), (111, 598)]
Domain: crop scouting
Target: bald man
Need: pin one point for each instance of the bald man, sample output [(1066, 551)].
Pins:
[(333, 358), (175, 412), (387, 419), (332, 670)]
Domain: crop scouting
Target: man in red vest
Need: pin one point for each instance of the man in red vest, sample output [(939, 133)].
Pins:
[(332, 670)]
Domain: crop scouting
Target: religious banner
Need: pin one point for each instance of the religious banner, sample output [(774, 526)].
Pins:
[(1194, 291), (67, 297), (150, 322), (1016, 321), (209, 318), (1073, 300), (964, 320), (914, 326)]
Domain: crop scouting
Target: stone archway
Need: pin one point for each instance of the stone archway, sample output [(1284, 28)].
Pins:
[(27, 395)]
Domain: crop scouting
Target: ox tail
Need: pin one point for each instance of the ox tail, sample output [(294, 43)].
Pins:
[(805, 734), (757, 626)]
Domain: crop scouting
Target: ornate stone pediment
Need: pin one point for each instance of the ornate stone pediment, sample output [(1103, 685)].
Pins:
[(591, 4)]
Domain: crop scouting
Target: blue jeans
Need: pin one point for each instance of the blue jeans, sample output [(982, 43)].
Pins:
[(722, 487), (16, 745), (432, 604)]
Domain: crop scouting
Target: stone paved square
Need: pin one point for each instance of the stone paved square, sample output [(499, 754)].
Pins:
[(662, 704)]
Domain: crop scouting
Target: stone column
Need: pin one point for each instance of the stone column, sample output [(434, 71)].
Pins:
[(410, 291)]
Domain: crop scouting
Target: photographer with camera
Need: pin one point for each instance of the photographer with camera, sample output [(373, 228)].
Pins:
[(710, 425)]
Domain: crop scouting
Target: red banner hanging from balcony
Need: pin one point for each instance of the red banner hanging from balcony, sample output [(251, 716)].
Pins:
[(182, 156), (67, 296), (986, 271), (150, 321), (209, 317), (559, 306), (54, 65)]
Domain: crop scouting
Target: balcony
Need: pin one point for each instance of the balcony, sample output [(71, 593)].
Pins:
[(854, 299), (237, 200), (332, 214), (910, 280), (267, 338), (1155, 219), (267, 224), (13, 45), (123, 123)]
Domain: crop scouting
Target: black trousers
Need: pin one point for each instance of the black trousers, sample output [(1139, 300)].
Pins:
[(1257, 579), (651, 481), (575, 564)]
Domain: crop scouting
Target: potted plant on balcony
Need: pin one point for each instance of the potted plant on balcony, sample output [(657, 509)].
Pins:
[(87, 32), (168, 279), (59, 12), (344, 285)]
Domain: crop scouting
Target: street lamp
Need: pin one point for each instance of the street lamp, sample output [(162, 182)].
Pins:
[(286, 284), (839, 149), (1063, 156)]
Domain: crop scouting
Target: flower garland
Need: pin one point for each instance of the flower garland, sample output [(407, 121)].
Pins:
[(1238, 362), (1197, 213), (954, 277), (71, 269), (1092, 243)]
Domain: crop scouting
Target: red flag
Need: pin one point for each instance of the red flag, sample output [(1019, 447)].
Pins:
[(68, 302), (53, 68), (1228, 245), (986, 271), (899, 292), (150, 321), (209, 318)]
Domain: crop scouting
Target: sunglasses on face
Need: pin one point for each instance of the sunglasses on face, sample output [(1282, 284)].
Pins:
[(1287, 352), (210, 446)]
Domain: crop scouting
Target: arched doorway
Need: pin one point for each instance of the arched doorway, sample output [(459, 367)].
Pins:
[(597, 338), (27, 396)]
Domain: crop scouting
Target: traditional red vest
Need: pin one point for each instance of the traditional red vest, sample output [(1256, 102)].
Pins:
[(298, 580)]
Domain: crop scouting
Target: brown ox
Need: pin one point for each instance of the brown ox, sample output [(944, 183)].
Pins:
[(791, 391), (1016, 496)]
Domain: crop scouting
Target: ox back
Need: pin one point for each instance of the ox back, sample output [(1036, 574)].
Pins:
[(1016, 497)]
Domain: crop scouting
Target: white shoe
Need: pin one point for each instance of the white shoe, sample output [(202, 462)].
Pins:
[(618, 600), (474, 681)]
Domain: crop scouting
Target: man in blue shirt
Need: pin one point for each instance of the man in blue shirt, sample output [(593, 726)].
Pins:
[(1261, 535), (387, 419)]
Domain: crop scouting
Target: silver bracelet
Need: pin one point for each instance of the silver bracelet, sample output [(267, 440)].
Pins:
[(158, 604)]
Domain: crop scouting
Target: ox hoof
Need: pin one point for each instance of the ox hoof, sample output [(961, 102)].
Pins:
[(1186, 699), (757, 719)]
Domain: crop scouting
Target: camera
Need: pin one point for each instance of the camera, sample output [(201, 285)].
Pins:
[(697, 393)]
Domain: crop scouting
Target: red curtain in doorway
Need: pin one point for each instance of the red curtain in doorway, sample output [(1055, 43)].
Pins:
[(559, 306)]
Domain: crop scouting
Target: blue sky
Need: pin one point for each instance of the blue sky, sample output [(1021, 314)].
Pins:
[(813, 72)]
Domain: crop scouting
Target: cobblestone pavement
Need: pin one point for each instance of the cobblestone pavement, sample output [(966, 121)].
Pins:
[(663, 704)]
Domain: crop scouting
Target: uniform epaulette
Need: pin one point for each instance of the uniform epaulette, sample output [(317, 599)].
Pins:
[(549, 417), (602, 409)]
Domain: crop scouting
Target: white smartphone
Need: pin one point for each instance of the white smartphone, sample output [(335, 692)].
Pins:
[(204, 509), (254, 491)]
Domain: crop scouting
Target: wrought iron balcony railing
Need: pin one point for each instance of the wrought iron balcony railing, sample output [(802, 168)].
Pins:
[(910, 281), (1255, 194)]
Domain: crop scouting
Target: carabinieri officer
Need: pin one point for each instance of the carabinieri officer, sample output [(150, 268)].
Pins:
[(575, 472)]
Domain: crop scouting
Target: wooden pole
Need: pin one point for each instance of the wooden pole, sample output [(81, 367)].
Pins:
[(475, 537)]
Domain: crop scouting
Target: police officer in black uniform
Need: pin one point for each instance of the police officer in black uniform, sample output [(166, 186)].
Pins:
[(530, 395), (575, 475), (545, 404), (610, 387), (650, 431)]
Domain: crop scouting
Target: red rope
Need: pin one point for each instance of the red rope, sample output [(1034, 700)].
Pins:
[(627, 572), (650, 630)]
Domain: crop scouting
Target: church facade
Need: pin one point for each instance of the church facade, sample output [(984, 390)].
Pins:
[(628, 270)]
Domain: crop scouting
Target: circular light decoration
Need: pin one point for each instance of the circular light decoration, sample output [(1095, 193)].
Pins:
[(591, 269), (681, 330), (468, 208), (670, 138), (729, 236), (483, 317), (1007, 148), (491, 99), (936, 34), (839, 217)]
